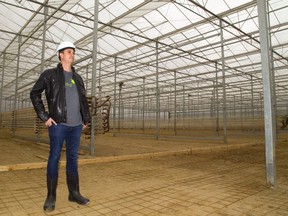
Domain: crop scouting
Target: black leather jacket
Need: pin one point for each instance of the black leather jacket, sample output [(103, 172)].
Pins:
[(53, 82)]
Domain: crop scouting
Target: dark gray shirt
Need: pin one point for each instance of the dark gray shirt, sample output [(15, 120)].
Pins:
[(72, 101)]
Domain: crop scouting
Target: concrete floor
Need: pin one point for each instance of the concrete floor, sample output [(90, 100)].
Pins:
[(210, 181)]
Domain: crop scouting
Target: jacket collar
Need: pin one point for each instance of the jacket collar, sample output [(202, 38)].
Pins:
[(60, 68)]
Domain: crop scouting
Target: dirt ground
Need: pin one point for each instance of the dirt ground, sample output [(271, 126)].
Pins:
[(193, 177), (23, 148)]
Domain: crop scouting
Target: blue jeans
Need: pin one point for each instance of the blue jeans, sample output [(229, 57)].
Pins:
[(71, 135)]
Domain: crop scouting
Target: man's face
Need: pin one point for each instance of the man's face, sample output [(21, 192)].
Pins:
[(67, 55)]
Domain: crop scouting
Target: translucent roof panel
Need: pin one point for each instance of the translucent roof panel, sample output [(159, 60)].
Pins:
[(190, 41)]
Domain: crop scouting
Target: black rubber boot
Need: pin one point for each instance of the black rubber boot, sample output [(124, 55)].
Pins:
[(49, 204), (74, 193)]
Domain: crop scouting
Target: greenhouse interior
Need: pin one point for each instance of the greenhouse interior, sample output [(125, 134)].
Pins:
[(160, 75)]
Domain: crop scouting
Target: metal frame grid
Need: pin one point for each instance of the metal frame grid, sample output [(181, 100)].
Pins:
[(164, 63)]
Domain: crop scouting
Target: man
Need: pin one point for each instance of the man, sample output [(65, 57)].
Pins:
[(68, 113)]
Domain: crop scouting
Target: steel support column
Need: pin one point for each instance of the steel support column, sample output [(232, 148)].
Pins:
[(217, 100), (44, 38), (252, 105), (241, 108), (183, 108), (175, 104), (94, 65), (268, 92), (2, 86), (143, 109), (16, 86), (37, 138), (223, 85), (157, 94), (114, 99)]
